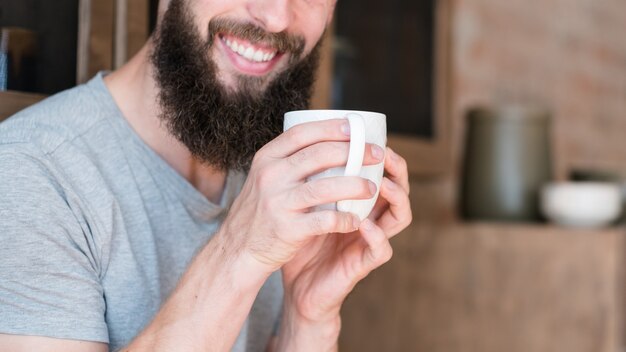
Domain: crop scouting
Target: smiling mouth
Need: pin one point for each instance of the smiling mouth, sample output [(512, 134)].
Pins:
[(251, 52)]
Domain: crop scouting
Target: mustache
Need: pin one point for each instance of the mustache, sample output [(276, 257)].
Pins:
[(281, 41)]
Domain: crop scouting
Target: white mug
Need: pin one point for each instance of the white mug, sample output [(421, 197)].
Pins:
[(365, 127)]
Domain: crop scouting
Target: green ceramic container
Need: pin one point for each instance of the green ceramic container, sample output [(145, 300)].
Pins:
[(507, 160)]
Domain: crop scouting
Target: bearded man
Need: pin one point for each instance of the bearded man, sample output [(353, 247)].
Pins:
[(159, 207)]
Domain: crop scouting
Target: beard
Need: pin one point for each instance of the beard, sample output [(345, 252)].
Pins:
[(224, 127)]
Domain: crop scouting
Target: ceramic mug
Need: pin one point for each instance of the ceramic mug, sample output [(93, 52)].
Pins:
[(365, 127)]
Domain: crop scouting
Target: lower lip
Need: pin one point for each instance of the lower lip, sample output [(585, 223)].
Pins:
[(249, 67)]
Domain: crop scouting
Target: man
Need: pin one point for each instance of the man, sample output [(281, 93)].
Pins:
[(152, 208)]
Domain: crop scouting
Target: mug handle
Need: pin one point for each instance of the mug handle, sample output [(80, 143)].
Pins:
[(356, 154)]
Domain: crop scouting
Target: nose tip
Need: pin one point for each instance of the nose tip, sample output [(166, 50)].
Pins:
[(273, 15)]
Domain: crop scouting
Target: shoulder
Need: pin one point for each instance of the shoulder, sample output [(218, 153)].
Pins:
[(40, 203), (58, 119), (30, 186), (66, 140)]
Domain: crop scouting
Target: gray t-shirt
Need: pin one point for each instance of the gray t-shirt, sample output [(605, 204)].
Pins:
[(96, 229)]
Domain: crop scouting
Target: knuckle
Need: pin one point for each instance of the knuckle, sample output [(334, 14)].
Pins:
[(402, 162), (387, 254), (409, 219), (310, 194), (264, 178), (258, 158), (296, 134)]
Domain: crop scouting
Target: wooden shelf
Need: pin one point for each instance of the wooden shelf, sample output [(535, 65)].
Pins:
[(532, 229), (12, 102), (493, 287)]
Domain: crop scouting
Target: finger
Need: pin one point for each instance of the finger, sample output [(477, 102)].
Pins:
[(329, 190), (398, 216), (326, 221), (378, 250), (380, 207), (321, 156), (306, 134), (396, 169)]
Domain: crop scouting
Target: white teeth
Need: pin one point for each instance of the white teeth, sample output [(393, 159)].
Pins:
[(248, 52), (258, 56)]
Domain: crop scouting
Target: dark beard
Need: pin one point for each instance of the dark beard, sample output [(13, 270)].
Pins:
[(221, 127)]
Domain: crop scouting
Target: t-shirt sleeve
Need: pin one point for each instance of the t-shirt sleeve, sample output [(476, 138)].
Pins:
[(49, 276)]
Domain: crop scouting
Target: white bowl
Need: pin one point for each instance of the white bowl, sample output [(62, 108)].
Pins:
[(581, 204)]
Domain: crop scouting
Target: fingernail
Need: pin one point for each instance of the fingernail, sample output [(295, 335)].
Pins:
[(356, 222), (372, 187), (345, 128), (366, 225), (377, 152)]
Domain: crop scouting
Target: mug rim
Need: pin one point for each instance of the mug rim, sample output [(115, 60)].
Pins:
[(338, 111)]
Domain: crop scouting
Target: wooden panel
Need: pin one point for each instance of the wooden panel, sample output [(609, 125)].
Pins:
[(138, 26), (120, 41), (12, 102), (322, 90), (84, 32), (491, 288), (101, 37)]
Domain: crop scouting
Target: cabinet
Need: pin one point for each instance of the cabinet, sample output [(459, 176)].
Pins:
[(106, 34), (493, 287)]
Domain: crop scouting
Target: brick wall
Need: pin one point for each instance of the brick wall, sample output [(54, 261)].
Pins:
[(569, 55)]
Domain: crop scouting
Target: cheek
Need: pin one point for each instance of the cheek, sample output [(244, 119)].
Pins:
[(312, 18), (314, 34)]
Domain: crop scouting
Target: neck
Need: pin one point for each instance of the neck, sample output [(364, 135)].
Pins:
[(135, 92)]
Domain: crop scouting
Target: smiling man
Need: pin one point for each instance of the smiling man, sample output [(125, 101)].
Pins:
[(159, 207)]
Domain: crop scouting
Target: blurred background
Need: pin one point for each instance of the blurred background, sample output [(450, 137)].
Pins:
[(511, 115)]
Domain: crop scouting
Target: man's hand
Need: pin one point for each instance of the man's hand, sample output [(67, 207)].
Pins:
[(322, 274), (271, 217)]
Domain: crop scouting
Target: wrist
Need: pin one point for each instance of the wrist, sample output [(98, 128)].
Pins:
[(251, 252), (298, 333), (245, 271)]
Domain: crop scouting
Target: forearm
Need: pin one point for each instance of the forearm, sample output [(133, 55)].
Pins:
[(210, 304)]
